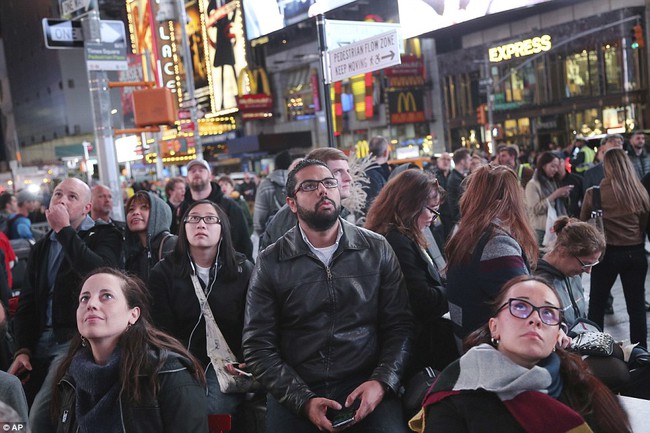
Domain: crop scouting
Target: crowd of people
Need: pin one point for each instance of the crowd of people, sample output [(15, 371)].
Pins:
[(468, 270)]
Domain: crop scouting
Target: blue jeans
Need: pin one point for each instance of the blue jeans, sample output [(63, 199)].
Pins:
[(386, 418), (218, 402), (47, 351)]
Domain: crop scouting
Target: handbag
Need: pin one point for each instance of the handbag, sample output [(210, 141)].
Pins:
[(596, 217), (416, 389), (549, 234), (218, 350), (593, 343)]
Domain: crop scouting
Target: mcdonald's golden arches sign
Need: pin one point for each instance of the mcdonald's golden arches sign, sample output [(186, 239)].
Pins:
[(406, 105), (254, 100)]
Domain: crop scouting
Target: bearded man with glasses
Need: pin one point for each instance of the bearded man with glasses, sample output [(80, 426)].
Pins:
[(327, 324)]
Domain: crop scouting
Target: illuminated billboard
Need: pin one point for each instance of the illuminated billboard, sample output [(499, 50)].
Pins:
[(424, 16), (267, 16)]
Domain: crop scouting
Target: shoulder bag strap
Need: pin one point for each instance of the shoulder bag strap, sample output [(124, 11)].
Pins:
[(161, 247), (217, 347)]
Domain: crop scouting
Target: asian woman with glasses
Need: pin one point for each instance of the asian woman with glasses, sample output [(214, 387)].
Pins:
[(514, 376), (202, 286)]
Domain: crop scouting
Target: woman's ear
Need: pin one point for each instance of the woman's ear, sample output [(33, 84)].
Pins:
[(494, 328), (135, 315)]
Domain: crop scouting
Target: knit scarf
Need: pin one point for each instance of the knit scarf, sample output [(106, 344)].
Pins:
[(528, 394), (548, 186), (97, 392)]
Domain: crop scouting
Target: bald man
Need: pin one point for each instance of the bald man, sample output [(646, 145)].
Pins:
[(102, 205), (46, 317)]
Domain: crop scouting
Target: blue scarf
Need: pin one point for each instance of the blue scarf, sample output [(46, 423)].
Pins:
[(97, 392)]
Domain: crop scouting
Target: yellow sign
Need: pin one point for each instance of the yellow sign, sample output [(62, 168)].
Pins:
[(406, 102), (524, 48)]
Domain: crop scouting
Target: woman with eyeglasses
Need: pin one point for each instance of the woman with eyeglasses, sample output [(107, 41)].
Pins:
[(625, 207), (494, 243), (203, 282), (404, 209), (515, 378), (578, 248)]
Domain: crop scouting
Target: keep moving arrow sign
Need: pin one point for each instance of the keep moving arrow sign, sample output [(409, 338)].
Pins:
[(365, 55)]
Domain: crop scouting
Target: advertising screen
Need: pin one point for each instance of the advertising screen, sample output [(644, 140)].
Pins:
[(423, 16), (266, 16)]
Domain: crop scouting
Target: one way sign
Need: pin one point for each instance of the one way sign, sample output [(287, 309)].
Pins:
[(365, 55), (62, 34)]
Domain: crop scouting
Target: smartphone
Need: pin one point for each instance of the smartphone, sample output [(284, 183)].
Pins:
[(235, 365), (343, 417)]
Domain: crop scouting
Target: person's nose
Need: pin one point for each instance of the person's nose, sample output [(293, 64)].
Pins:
[(91, 304), (587, 270), (536, 319)]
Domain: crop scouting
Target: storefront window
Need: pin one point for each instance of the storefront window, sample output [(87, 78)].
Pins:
[(582, 74), (510, 130), (450, 96), (587, 123), (613, 70)]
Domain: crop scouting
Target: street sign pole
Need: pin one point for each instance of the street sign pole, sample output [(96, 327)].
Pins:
[(325, 86), (101, 107)]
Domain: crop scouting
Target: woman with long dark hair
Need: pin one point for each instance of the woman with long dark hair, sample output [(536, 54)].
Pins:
[(121, 373), (514, 377), (405, 207), (625, 207), (542, 191), (200, 290), (493, 243)]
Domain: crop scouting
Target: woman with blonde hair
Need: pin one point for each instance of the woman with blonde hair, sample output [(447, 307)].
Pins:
[(494, 243), (625, 205)]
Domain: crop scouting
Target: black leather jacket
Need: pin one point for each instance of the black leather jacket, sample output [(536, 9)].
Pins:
[(83, 251), (306, 323), (180, 405)]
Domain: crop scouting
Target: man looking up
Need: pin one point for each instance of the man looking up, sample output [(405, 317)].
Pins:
[(327, 322), (102, 206), (46, 317), (199, 177), (285, 219)]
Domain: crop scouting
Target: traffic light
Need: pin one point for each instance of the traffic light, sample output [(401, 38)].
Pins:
[(481, 117), (637, 37)]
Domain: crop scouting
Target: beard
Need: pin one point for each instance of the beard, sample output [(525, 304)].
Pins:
[(198, 184), (319, 220)]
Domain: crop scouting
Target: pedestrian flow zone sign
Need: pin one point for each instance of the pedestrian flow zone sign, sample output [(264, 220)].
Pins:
[(366, 55)]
